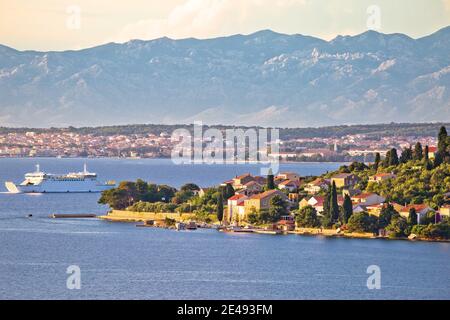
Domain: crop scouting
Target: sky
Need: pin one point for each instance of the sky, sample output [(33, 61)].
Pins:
[(75, 24)]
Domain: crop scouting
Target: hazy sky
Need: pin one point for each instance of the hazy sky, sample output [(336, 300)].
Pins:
[(75, 24)]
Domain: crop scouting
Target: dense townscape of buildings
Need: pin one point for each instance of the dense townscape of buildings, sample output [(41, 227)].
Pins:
[(67, 143), (250, 196)]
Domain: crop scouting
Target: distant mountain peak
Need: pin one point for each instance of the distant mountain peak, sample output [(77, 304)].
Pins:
[(265, 32), (265, 77)]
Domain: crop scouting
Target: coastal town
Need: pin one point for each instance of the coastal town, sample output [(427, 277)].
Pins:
[(336, 145), (396, 196)]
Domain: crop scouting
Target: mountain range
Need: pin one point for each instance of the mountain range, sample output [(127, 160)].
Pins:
[(265, 78)]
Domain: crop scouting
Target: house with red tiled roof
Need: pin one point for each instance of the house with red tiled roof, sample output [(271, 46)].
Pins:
[(224, 184), (239, 181), (375, 209), (290, 185), (317, 203), (316, 186), (421, 209), (289, 176), (252, 187), (432, 150), (380, 177), (261, 180)]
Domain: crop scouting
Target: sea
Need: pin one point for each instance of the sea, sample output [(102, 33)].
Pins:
[(44, 258)]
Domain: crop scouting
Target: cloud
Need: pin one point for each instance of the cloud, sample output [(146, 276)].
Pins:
[(207, 18)]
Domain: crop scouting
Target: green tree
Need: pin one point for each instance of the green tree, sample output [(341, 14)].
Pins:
[(326, 219), (347, 209), (362, 222), (182, 196), (116, 198), (130, 191), (387, 159), (386, 214), (277, 209), (418, 152), (229, 191), (393, 157), (442, 142), (326, 201), (438, 159), (377, 161), (426, 154), (407, 155), (141, 190), (426, 161), (443, 154), (432, 231), (220, 208), (270, 180), (357, 167), (397, 227), (412, 217), (190, 187), (166, 192), (253, 217), (307, 218), (334, 206)]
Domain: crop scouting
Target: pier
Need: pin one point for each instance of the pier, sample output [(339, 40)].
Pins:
[(68, 216)]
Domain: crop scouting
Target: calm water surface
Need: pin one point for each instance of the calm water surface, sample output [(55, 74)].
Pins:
[(120, 261)]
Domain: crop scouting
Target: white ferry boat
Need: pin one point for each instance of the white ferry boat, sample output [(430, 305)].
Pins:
[(41, 182)]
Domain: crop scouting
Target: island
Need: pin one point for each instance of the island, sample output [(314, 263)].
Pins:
[(403, 195)]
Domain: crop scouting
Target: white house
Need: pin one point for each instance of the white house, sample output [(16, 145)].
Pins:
[(236, 207), (288, 185), (368, 199)]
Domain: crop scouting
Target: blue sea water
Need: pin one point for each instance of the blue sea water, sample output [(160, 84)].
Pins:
[(120, 261)]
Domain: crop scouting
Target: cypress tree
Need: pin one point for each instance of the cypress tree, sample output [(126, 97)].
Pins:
[(443, 146), (326, 202), (426, 161), (393, 157), (326, 220), (418, 152), (220, 207), (442, 141), (334, 206), (270, 180), (387, 159), (437, 160), (412, 218), (377, 161), (347, 208), (406, 155), (229, 191)]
